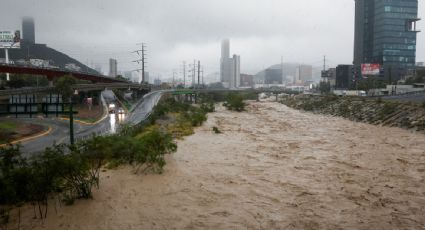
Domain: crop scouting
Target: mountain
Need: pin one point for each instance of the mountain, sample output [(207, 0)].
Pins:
[(42, 51)]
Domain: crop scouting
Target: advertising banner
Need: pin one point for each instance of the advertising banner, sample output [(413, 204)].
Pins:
[(10, 39), (370, 69)]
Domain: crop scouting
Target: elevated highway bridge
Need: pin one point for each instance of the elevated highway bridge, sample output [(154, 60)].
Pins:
[(5, 94), (53, 73)]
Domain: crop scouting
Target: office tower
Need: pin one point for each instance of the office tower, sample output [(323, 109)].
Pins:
[(385, 34), (344, 77), (225, 62), (229, 67), (28, 30), (235, 75), (113, 71)]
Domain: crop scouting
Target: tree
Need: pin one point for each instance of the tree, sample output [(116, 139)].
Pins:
[(64, 86), (26, 80)]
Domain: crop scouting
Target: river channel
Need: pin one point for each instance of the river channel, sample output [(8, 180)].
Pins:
[(271, 168)]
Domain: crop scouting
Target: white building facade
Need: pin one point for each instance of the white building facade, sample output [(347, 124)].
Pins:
[(230, 74), (113, 67)]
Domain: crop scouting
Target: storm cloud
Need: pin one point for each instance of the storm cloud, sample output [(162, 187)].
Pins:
[(261, 31)]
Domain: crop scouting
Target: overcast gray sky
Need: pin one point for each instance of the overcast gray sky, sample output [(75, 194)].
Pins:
[(261, 31)]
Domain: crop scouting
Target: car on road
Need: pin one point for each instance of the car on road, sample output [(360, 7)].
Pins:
[(111, 108), (121, 111)]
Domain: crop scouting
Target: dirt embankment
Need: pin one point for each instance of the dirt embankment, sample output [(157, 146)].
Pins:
[(12, 130), (373, 111), (272, 168)]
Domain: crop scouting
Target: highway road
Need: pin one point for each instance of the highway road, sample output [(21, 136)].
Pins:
[(108, 125), (417, 98), (142, 110)]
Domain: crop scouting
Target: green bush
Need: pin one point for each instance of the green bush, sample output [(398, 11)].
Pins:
[(216, 130), (235, 102), (207, 107), (151, 149)]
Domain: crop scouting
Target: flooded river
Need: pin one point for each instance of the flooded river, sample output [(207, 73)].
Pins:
[(271, 168)]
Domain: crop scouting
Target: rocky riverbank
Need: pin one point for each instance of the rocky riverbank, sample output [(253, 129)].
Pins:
[(373, 111)]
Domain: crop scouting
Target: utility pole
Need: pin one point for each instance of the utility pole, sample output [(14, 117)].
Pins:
[(184, 74), (324, 63), (174, 79), (194, 73), (142, 59), (281, 69), (202, 76), (199, 73), (143, 62)]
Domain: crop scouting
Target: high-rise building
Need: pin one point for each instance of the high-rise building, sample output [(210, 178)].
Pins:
[(235, 77), (229, 67), (329, 75), (385, 34), (303, 74), (113, 67), (273, 76), (344, 77), (225, 62), (28, 30), (146, 77), (247, 80), (225, 48)]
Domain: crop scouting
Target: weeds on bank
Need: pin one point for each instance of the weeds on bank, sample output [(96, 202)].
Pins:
[(377, 111)]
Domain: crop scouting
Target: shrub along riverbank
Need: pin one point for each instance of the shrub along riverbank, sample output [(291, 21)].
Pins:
[(65, 173), (374, 111)]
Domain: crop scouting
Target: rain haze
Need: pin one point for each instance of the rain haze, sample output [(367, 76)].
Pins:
[(212, 114), (260, 31)]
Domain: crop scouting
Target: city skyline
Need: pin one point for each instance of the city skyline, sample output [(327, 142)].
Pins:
[(199, 38)]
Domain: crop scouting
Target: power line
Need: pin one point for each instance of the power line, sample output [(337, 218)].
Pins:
[(142, 60)]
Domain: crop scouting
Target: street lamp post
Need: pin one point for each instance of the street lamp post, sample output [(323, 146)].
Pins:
[(71, 119)]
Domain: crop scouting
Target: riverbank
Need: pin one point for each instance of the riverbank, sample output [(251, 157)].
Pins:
[(375, 111), (271, 168)]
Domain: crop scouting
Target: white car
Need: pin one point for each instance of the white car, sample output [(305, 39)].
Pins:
[(111, 108)]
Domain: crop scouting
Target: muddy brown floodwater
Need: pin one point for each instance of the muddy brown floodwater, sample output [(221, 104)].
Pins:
[(272, 168)]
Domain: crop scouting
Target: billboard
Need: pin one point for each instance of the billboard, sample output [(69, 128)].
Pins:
[(370, 69), (10, 39)]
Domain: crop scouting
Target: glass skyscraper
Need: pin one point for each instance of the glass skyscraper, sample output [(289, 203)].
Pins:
[(28, 30), (385, 33)]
